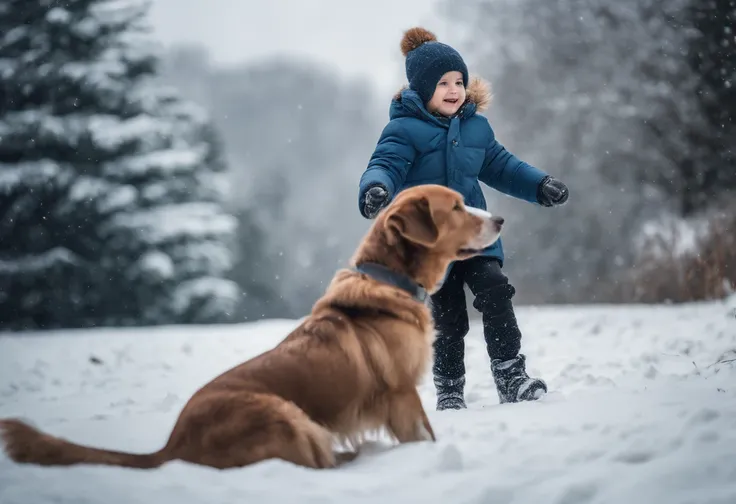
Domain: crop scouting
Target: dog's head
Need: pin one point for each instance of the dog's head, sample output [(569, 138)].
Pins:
[(434, 227)]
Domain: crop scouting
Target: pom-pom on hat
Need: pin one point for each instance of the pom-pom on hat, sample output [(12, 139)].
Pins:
[(427, 60)]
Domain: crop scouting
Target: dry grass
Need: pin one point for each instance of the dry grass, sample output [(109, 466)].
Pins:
[(705, 272)]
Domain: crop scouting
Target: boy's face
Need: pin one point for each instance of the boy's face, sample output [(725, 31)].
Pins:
[(449, 95)]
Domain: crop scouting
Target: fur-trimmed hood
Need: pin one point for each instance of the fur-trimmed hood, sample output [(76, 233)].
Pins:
[(478, 93)]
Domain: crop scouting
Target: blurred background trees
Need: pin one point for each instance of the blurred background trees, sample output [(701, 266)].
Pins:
[(146, 187), (111, 185)]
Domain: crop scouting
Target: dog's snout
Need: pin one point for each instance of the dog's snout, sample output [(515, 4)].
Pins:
[(497, 223)]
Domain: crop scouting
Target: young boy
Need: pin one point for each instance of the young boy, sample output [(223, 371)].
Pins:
[(434, 136)]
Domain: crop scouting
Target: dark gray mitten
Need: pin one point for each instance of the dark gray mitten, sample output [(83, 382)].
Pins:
[(376, 197), (552, 192)]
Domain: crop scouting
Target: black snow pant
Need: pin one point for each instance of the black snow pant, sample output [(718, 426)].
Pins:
[(493, 294)]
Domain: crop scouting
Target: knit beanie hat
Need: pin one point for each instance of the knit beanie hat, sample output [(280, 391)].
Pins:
[(427, 60)]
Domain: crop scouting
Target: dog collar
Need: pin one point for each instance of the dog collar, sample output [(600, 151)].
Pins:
[(383, 274)]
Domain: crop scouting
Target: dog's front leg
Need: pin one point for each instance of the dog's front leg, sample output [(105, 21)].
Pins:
[(407, 419)]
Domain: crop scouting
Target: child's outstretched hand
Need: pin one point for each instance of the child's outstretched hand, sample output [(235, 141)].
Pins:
[(375, 198), (552, 192)]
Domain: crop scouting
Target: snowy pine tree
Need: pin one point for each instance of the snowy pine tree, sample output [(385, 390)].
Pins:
[(110, 186)]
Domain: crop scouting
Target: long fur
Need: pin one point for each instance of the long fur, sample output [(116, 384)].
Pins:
[(25, 444)]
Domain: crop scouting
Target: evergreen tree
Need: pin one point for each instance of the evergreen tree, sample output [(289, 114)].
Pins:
[(110, 185), (712, 55)]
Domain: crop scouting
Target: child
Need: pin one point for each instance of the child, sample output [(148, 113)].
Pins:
[(435, 136)]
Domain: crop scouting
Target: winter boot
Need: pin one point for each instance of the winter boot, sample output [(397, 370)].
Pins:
[(512, 382), (450, 393)]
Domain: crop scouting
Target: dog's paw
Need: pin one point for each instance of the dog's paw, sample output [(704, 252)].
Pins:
[(345, 457), (424, 431)]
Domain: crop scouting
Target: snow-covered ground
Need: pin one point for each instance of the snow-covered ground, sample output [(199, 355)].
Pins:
[(642, 410)]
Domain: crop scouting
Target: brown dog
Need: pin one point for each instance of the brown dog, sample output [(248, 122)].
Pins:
[(351, 367)]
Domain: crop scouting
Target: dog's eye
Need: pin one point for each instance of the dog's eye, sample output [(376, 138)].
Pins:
[(457, 206)]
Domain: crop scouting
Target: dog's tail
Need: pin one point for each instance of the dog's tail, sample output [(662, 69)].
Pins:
[(26, 445)]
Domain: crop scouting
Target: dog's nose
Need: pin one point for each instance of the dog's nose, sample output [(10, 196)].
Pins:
[(497, 220)]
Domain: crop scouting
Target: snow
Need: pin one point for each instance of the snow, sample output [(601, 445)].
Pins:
[(104, 71), (29, 174), (213, 257), (115, 12), (40, 262), (731, 305), (58, 15), (206, 295), (88, 28), (118, 198), (13, 35), (157, 264), (217, 185), (642, 409), (113, 197), (110, 132), (162, 100), (166, 223), (167, 162)]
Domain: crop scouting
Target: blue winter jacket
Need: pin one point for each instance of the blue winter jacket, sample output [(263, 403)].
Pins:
[(417, 147)]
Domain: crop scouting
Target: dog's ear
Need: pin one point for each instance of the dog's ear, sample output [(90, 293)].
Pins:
[(414, 221)]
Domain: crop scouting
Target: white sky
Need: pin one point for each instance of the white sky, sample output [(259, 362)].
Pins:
[(358, 36)]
